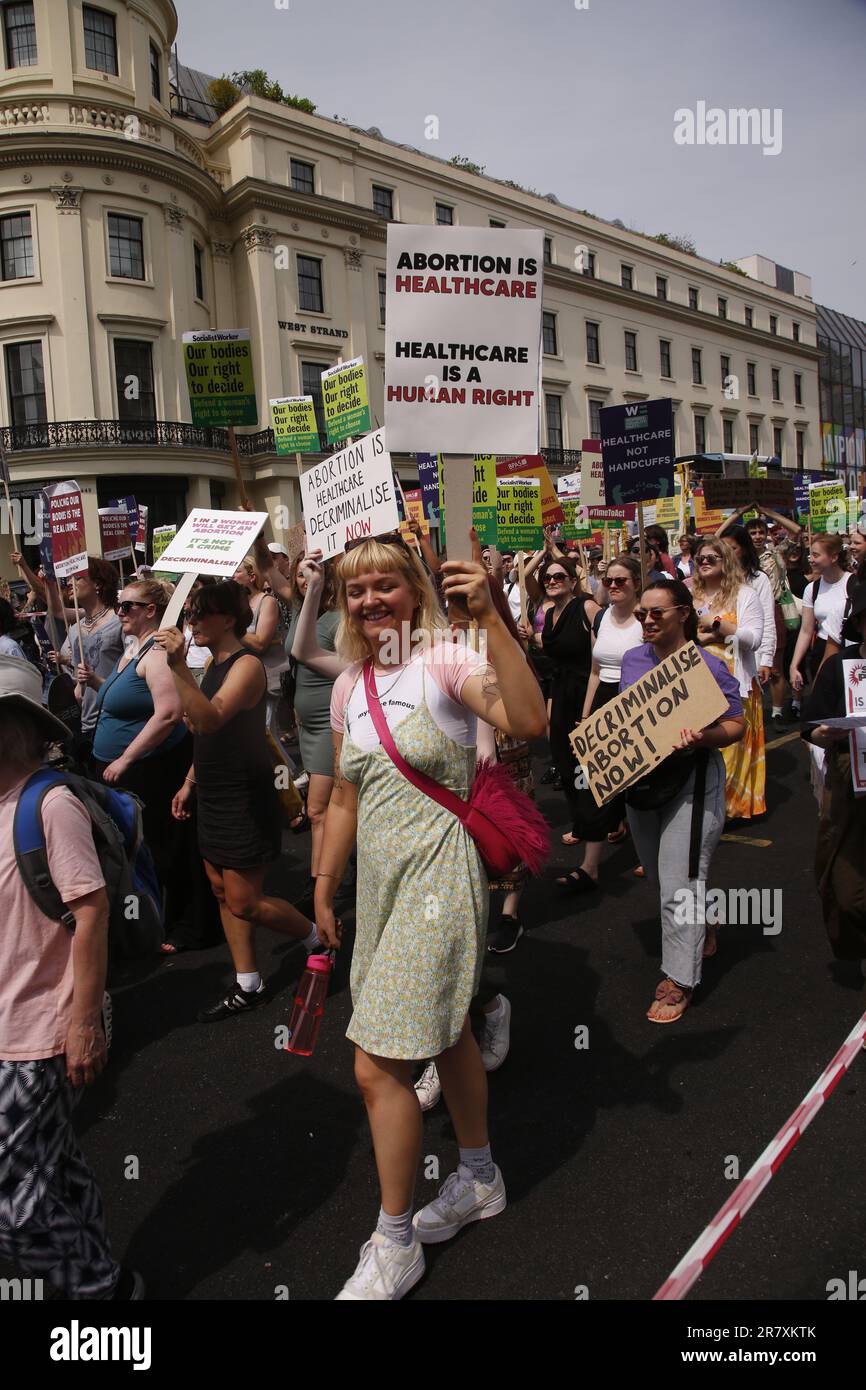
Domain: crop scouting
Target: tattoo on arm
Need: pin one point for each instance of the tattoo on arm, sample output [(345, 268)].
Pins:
[(490, 685)]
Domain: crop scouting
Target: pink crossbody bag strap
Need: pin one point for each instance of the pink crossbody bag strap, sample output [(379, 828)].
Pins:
[(449, 800)]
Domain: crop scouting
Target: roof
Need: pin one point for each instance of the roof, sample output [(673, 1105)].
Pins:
[(191, 89), (833, 324)]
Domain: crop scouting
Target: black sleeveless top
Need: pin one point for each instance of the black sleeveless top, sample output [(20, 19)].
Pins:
[(239, 818)]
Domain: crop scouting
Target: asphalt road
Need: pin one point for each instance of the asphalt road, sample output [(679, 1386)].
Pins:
[(255, 1170)]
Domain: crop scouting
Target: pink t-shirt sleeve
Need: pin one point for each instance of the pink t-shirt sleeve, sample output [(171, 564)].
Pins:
[(72, 857), (451, 665), (343, 687)]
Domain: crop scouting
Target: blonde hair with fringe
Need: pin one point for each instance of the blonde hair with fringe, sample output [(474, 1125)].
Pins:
[(378, 557), (732, 572)]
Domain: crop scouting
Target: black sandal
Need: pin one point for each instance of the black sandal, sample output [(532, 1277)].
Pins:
[(578, 881)]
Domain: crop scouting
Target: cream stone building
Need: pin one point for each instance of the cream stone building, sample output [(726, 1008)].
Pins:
[(129, 215)]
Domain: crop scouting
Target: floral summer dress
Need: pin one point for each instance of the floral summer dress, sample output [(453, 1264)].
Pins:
[(422, 896), (746, 761)]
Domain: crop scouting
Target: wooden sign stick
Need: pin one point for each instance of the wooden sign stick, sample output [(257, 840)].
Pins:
[(77, 623), (458, 480), (521, 581)]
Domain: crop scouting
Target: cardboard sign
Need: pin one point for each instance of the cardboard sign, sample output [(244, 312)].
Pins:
[(737, 492), (707, 521), (533, 466), (592, 474), (219, 377), (349, 496), (212, 542), (463, 339), (141, 530), (569, 485), (294, 424), (484, 500), (429, 467), (65, 513), (344, 397), (636, 730), (637, 444), (162, 538), (114, 533), (828, 508), (518, 514), (296, 541)]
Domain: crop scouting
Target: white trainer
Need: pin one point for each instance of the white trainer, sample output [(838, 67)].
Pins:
[(385, 1271), (428, 1087), (461, 1199), (496, 1037)]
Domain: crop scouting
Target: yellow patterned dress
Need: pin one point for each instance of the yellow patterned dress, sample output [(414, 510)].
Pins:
[(746, 761), (422, 897)]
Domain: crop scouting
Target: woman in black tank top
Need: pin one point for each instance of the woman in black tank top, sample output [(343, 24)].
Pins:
[(238, 807)]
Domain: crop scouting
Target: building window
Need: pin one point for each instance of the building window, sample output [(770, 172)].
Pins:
[(100, 40), (723, 307), (627, 276), (310, 296), (494, 223), (383, 202), (630, 351), (593, 346), (16, 246), (700, 434), (801, 452), (303, 176), (752, 378), (728, 434), (795, 330), (798, 389), (383, 290), (777, 444), (155, 74), (725, 365), (774, 324), (548, 334), (311, 385), (20, 29), (553, 411), (697, 366), (589, 264), (694, 297), (198, 268), (749, 317), (661, 287), (126, 246), (753, 439), (25, 380), (133, 371), (595, 408), (444, 215), (775, 376), (665, 357), (548, 250)]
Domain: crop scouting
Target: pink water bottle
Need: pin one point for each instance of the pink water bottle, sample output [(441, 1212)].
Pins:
[(309, 1006)]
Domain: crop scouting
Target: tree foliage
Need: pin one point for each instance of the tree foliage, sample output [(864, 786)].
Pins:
[(225, 91)]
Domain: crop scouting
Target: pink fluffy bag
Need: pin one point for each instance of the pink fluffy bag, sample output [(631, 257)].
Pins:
[(506, 825)]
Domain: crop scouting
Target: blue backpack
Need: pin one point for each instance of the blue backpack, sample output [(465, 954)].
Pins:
[(135, 919)]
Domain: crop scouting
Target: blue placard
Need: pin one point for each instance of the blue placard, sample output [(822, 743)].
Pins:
[(428, 477), (132, 512), (637, 447)]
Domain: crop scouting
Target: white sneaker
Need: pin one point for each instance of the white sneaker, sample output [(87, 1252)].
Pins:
[(461, 1199), (385, 1271), (496, 1038), (428, 1087)]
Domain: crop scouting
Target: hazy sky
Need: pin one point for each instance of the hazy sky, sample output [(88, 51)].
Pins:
[(581, 103)]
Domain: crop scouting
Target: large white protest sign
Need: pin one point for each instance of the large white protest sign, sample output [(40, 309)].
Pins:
[(212, 542), (349, 495), (462, 339)]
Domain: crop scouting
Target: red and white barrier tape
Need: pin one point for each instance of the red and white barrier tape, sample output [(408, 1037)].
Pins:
[(695, 1261)]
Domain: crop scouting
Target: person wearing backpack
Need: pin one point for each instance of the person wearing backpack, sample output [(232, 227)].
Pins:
[(52, 1038)]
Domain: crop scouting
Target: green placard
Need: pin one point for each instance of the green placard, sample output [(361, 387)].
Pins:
[(344, 397), (573, 528), (518, 515), (162, 536), (828, 508), (295, 429), (219, 378), (484, 499)]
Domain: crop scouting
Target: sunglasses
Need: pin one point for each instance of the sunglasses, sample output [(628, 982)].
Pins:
[(614, 583), (389, 538), (128, 603), (707, 558), (655, 613), (559, 576)]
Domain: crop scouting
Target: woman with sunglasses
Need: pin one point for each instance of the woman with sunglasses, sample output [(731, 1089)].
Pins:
[(566, 639), (422, 895), (140, 742), (662, 804), (731, 625), (615, 631)]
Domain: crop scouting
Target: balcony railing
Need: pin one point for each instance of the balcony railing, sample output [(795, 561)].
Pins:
[(565, 459), (129, 434)]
